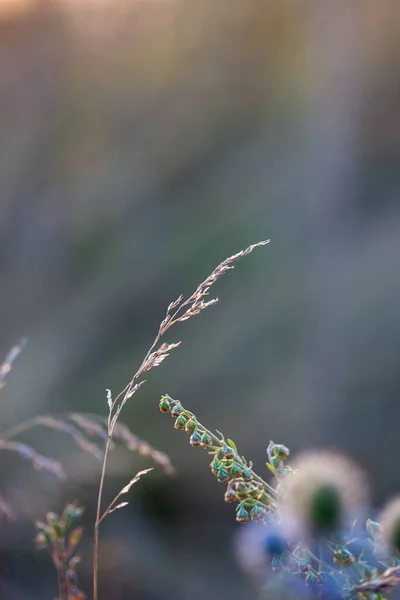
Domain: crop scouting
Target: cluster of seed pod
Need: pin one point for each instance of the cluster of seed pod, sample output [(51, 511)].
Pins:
[(254, 496)]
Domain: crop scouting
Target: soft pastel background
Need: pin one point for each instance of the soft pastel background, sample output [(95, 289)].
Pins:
[(142, 142)]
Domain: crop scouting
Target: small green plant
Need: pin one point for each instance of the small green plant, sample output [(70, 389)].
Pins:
[(60, 536)]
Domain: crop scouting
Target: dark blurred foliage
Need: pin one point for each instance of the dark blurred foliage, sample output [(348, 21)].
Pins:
[(142, 142)]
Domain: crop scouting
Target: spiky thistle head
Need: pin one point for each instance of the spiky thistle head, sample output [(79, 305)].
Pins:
[(322, 491), (390, 521)]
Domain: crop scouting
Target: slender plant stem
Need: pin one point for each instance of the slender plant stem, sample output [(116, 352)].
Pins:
[(98, 518), (59, 563)]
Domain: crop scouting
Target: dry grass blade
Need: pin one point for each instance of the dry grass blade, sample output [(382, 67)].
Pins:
[(73, 432), (6, 367), (121, 505), (88, 425), (134, 480), (156, 357), (37, 460), (112, 507)]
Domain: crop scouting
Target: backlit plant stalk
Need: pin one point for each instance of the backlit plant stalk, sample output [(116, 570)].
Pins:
[(178, 311)]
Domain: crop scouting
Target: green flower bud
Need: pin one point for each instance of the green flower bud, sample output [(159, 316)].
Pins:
[(230, 495), (54, 522), (44, 537), (71, 514), (222, 474), (263, 497), (164, 405), (227, 451), (281, 451), (240, 486), (242, 516), (236, 471), (206, 440), (176, 410), (190, 426), (215, 465), (195, 438), (254, 492), (247, 474), (257, 513), (180, 422)]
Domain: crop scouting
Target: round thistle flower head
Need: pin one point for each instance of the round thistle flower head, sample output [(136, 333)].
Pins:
[(322, 492), (390, 521)]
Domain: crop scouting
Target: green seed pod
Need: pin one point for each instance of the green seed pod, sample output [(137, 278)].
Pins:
[(222, 474), (206, 440), (242, 516), (227, 451), (190, 426), (180, 422), (240, 486), (263, 497), (215, 465), (280, 451), (257, 513), (164, 405), (247, 474), (195, 438), (230, 495), (254, 492), (176, 410), (236, 471)]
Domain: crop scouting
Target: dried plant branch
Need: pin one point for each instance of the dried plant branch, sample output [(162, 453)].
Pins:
[(87, 425), (178, 311), (37, 460), (112, 506)]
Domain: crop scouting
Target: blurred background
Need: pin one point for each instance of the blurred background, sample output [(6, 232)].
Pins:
[(142, 142)]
